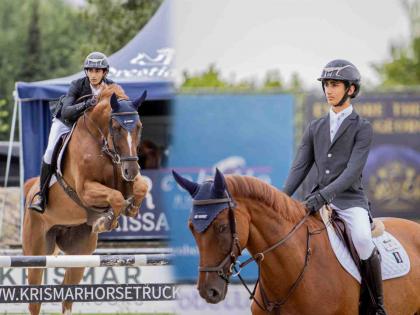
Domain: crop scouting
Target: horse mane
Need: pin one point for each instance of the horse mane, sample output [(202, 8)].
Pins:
[(113, 88), (254, 188)]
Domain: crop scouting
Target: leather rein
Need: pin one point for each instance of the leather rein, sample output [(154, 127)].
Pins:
[(232, 257)]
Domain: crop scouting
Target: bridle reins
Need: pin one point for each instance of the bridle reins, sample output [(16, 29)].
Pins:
[(232, 257)]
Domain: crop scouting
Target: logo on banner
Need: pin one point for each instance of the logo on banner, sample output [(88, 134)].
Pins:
[(157, 65)]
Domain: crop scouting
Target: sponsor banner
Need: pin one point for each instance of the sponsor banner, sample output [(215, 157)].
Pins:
[(13, 277), (152, 221), (97, 275), (392, 172), (88, 293), (239, 134), (188, 302)]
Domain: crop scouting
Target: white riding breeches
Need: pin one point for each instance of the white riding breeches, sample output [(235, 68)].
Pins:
[(57, 130), (357, 221)]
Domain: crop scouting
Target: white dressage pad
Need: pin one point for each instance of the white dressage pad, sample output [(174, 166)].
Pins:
[(395, 261), (61, 156)]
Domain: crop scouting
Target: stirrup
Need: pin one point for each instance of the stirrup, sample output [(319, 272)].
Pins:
[(38, 205)]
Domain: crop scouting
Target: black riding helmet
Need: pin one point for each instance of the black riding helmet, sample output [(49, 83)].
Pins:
[(345, 71), (96, 60)]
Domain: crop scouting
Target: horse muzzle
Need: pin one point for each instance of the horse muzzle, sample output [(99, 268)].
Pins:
[(129, 170), (214, 290)]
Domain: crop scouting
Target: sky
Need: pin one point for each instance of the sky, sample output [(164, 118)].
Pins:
[(245, 38)]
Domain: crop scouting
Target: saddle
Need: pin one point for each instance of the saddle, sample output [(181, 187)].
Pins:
[(395, 261), (377, 228)]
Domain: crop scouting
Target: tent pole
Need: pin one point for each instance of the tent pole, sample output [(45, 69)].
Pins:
[(9, 158)]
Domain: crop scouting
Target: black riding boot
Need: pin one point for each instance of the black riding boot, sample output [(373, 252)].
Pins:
[(41, 196), (371, 273)]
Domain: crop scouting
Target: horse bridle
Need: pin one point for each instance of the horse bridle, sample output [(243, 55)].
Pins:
[(231, 258), (112, 153)]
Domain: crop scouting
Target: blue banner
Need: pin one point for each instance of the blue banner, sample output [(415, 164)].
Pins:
[(152, 221), (241, 134)]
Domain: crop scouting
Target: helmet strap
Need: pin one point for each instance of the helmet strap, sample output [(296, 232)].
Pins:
[(344, 99)]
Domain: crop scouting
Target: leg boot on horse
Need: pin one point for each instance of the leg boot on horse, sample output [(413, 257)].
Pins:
[(372, 275), (41, 197)]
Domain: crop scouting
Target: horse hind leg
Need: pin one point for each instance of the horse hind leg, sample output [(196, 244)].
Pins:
[(72, 276), (78, 240), (35, 278)]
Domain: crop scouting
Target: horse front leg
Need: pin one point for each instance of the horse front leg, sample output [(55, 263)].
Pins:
[(95, 194), (140, 189)]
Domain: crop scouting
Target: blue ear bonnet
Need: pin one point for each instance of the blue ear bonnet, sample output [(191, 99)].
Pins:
[(125, 114), (203, 215)]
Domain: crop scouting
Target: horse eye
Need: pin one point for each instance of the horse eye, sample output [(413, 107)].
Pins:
[(222, 228)]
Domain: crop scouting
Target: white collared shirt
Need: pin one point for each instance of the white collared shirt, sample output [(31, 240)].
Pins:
[(96, 91), (337, 119)]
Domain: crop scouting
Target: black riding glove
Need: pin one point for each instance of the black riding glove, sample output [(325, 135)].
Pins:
[(314, 202), (90, 102), (70, 113)]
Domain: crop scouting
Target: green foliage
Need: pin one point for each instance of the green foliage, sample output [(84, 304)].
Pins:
[(211, 79), (4, 114), (403, 70), (113, 23), (273, 80)]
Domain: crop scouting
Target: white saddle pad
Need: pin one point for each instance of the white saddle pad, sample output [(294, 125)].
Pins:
[(61, 156), (395, 261)]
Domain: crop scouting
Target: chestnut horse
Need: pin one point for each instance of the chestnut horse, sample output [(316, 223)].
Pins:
[(300, 274), (101, 167)]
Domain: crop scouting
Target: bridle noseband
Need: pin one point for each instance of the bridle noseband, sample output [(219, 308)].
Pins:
[(231, 257)]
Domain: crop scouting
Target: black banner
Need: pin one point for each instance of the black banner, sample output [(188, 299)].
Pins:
[(88, 293), (392, 172)]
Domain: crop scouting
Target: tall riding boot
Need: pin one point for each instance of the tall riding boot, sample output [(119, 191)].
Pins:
[(372, 274), (41, 201)]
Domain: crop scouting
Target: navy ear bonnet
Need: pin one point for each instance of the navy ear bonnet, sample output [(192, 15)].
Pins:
[(124, 112), (203, 215)]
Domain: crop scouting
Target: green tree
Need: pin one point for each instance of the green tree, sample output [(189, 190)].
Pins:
[(112, 23), (296, 83), (210, 78), (403, 69), (272, 80)]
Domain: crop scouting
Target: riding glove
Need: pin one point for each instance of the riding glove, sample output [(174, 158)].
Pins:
[(314, 202)]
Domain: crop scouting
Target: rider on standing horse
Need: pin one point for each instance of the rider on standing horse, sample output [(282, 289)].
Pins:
[(339, 144), (86, 90)]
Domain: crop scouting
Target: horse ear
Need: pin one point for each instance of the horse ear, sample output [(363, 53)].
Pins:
[(140, 100), (114, 102), (219, 183), (188, 185)]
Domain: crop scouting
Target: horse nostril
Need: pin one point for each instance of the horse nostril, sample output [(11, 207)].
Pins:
[(213, 293), (126, 172)]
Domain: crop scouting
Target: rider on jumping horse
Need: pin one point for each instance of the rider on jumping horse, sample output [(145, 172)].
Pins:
[(87, 90), (339, 144)]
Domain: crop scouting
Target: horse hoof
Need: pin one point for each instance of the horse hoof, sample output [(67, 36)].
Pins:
[(131, 212), (100, 225), (114, 225)]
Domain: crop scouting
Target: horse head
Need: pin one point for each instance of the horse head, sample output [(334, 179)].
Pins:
[(124, 128), (213, 225)]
